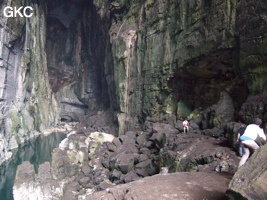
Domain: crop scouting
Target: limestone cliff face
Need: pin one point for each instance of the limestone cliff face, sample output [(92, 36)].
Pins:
[(26, 100), (75, 52), (251, 32), (172, 55), (52, 68)]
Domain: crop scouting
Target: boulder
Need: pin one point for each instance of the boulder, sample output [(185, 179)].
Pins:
[(123, 159), (159, 139), (125, 139), (148, 166), (169, 186), (255, 106), (69, 189), (117, 142), (128, 148), (25, 173), (124, 162), (249, 182), (131, 176), (131, 134), (100, 137), (30, 186), (84, 181), (219, 114), (225, 111), (231, 129), (105, 185), (115, 176), (214, 132), (141, 172), (61, 166), (141, 140), (168, 129)]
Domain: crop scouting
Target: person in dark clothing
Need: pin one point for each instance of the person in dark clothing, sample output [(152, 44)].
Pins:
[(240, 132)]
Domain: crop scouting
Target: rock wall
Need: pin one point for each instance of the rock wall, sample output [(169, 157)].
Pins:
[(164, 53), (172, 56), (251, 33), (52, 68), (26, 101), (76, 50)]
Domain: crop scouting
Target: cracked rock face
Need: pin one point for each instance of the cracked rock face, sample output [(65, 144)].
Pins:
[(165, 53), (75, 50), (27, 104)]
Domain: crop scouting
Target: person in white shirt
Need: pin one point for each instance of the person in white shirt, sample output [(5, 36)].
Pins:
[(248, 139), (186, 126)]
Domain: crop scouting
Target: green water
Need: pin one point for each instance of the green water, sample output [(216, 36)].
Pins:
[(37, 151)]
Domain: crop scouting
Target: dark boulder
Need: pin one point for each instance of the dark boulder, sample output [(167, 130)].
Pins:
[(249, 182)]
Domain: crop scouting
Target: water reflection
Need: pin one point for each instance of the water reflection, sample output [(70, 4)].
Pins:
[(37, 151)]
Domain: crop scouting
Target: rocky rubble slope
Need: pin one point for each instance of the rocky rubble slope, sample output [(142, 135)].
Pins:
[(86, 162)]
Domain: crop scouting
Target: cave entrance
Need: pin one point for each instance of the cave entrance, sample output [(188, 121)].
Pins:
[(200, 82)]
